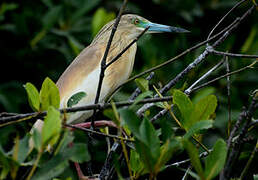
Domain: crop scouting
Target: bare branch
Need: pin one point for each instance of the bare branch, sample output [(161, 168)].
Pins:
[(222, 19), (103, 61), (177, 164), (228, 94), (220, 53), (225, 75), (97, 133), (189, 90), (137, 90), (36, 115), (179, 55), (233, 155), (198, 60), (127, 47)]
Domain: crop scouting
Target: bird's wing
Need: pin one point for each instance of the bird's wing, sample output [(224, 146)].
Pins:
[(82, 66)]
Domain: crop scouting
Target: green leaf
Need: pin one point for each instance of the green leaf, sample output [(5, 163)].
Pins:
[(166, 130), (204, 108), (147, 141), (255, 176), (142, 96), (74, 44), (194, 156), (185, 107), (249, 41), (49, 95), (116, 119), (33, 96), (7, 7), (100, 18), (145, 155), (66, 140), (51, 17), (5, 162), (203, 93), (197, 127), (36, 136), (216, 160), (51, 168), (166, 152), (149, 137), (135, 162), (23, 149), (40, 35), (143, 84), (84, 8), (109, 113), (52, 127), (130, 119), (160, 105), (75, 99), (79, 153)]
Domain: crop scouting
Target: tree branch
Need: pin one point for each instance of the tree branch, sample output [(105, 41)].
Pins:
[(225, 75), (97, 133), (103, 61), (197, 61), (220, 53), (233, 155), (36, 115)]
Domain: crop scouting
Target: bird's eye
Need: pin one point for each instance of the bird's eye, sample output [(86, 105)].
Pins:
[(136, 21)]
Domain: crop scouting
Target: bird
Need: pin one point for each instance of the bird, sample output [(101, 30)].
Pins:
[(82, 75)]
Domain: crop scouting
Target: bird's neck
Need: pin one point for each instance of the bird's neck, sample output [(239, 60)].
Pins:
[(121, 39)]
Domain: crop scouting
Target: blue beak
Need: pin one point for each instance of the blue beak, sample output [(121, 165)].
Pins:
[(156, 28)]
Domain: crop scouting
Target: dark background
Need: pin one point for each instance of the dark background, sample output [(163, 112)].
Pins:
[(41, 38)]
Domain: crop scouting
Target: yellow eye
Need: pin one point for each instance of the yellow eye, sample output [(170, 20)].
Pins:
[(136, 21)]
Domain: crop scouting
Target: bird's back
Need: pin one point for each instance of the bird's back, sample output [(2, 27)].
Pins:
[(82, 75)]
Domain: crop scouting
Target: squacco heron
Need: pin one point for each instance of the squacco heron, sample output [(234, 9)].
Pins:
[(82, 75)]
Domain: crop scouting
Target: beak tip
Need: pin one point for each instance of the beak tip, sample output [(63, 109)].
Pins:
[(179, 30)]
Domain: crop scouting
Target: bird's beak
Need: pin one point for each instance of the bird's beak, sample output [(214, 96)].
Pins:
[(158, 28)]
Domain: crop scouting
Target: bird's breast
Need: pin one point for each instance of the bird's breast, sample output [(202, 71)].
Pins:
[(83, 76), (119, 71)]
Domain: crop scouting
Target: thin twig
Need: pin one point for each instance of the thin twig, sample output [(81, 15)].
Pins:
[(106, 170), (138, 90), (220, 53), (197, 61), (127, 47), (249, 161), (98, 133), (6, 114), (22, 117), (192, 89), (189, 90), (179, 55), (222, 19), (233, 155), (235, 128), (228, 94), (187, 172), (225, 75), (177, 164), (103, 61), (12, 119), (168, 106), (107, 167)]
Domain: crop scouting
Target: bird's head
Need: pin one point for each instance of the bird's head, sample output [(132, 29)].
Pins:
[(136, 24), (132, 25)]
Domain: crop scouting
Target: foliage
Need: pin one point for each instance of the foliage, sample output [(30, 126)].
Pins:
[(40, 39), (74, 99)]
